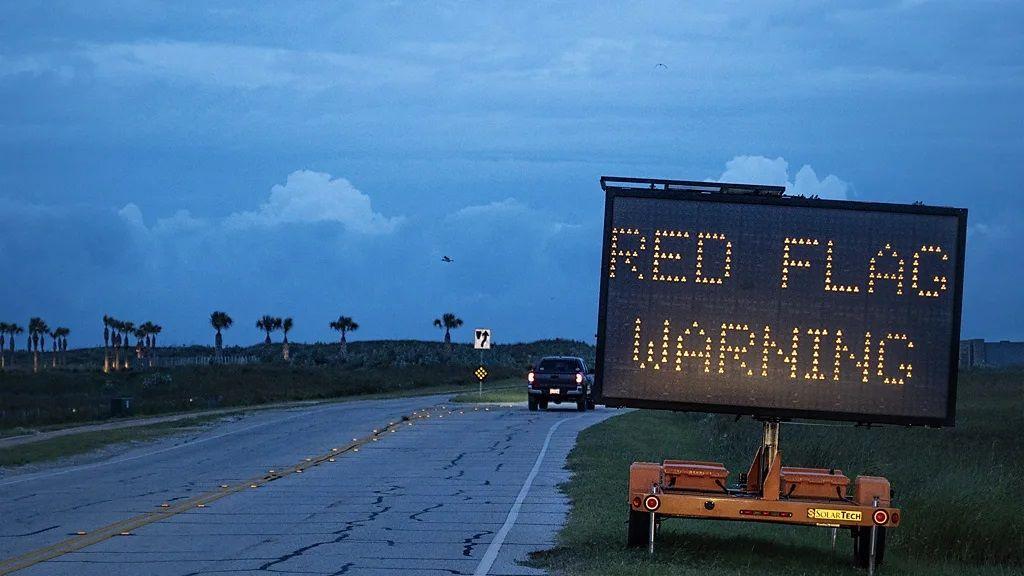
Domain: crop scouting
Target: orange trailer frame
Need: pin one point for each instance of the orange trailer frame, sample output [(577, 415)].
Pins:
[(768, 493)]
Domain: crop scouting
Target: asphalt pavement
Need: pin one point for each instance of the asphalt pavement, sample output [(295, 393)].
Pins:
[(451, 489)]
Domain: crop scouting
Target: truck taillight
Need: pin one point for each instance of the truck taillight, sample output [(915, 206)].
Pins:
[(529, 377), (579, 378)]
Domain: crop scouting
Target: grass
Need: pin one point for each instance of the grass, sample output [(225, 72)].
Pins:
[(73, 444), (61, 397), (960, 490), (510, 391), (80, 392)]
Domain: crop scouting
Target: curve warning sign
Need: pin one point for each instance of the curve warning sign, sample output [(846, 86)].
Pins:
[(743, 302)]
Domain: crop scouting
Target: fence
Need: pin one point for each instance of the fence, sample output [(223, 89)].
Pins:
[(171, 361)]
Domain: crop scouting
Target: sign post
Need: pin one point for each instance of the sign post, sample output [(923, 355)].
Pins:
[(481, 342)]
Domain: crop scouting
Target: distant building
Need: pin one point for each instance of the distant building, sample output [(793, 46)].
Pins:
[(977, 352)]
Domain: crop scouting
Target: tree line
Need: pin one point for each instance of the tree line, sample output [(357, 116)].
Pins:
[(117, 342), (35, 342), (118, 350)]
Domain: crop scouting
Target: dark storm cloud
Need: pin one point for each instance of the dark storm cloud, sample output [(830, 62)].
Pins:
[(159, 159)]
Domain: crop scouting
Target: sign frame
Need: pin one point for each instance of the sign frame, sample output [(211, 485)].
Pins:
[(770, 196)]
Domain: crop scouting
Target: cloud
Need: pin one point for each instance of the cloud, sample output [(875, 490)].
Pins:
[(308, 197), (131, 214), (762, 170), (989, 231), (246, 66)]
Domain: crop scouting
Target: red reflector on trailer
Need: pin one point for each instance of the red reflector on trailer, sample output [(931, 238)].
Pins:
[(881, 516), (895, 517), (652, 503), (636, 502)]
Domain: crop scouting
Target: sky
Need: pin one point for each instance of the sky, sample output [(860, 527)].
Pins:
[(311, 159)]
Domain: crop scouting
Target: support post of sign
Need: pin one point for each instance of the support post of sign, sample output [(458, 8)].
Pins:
[(835, 531), (480, 391), (650, 534), (769, 446), (874, 540)]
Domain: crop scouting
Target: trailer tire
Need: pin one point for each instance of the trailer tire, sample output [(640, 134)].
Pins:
[(581, 405), (543, 404), (862, 547), (532, 404), (636, 531)]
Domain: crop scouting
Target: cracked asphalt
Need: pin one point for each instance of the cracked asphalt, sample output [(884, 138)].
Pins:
[(458, 493)]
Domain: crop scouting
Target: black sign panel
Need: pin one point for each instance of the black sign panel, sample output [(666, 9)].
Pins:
[(780, 307)]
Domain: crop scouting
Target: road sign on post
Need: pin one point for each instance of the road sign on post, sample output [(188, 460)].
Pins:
[(482, 339)]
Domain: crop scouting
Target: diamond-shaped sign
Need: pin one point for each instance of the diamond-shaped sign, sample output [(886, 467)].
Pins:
[(480, 373)]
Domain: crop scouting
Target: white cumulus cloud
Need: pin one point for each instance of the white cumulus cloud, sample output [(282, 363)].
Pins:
[(762, 170), (308, 197)]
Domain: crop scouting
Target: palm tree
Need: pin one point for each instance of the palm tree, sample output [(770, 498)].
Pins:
[(150, 330), (140, 334), (4, 329), (286, 326), (107, 322), (449, 322), (127, 328), (268, 324), (220, 321), (60, 340), (64, 344), (146, 328), (53, 334), (154, 329), (14, 330), (37, 330), (116, 327), (344, 325)]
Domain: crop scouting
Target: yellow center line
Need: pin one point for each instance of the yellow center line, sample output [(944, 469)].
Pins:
[(127, 526)]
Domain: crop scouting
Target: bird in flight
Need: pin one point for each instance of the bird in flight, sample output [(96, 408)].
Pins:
[(659, 64), (446, 259)]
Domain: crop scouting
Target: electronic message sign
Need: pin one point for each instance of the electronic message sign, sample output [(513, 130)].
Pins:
[(775, 306)]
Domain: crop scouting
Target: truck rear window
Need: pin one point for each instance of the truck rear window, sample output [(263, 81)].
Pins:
[(558, 366)]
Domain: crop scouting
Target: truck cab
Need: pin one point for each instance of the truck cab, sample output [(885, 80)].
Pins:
[(560, 379)]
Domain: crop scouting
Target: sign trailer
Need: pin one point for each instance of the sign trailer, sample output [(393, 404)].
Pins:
[(735, 299)]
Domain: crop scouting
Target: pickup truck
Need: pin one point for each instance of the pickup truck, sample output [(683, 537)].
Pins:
[(560, 379)]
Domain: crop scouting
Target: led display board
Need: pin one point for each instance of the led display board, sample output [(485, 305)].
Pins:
[(775, 306)]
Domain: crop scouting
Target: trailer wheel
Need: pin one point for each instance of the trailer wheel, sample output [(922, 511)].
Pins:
[(581, 405), (636, 532), (862, 547), (532, 404), (543, 404), (591, 405)]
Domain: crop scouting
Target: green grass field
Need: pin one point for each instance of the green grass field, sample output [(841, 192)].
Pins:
[(961, 491), (81, 392), (512, 390), (74, 444), (61, 397)]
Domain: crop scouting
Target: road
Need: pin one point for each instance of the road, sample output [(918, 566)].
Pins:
[(454, 490)]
